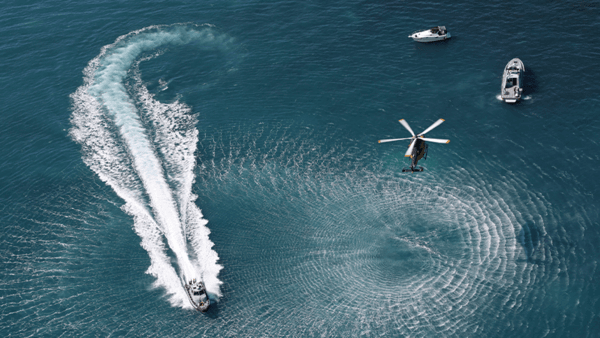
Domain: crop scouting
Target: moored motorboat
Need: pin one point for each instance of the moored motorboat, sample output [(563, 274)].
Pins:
[(197, 295), (512, 84), (437, 33)]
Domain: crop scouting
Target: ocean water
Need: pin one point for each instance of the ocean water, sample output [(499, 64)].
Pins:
[(236, 141)]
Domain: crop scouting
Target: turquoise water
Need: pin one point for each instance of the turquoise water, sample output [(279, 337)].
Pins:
[(237, 142)]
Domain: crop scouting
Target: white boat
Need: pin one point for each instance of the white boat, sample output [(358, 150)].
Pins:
[(512, 86), (437, 33), (197, 295)]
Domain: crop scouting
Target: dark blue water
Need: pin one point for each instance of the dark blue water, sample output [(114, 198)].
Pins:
[(236, 142)]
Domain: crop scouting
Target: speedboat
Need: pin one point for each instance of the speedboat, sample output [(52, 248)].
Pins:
[(512, 86), (437, 33), (197, 295)]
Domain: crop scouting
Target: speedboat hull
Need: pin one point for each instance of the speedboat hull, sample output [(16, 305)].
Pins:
[(512, 84), (438, 33), (197, 295)]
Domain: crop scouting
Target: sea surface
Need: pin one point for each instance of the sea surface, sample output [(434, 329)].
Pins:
[(147, 143)]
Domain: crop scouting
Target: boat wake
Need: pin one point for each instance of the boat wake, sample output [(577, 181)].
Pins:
[(144, 149)]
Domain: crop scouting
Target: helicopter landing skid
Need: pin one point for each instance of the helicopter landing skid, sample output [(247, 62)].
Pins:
[(412, 170)]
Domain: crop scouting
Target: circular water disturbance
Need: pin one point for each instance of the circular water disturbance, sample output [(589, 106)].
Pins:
[(419, 253)]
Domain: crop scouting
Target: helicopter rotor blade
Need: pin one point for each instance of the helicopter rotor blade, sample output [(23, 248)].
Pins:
[(410, 148), (434, 140), (394, 139), (405, 124), (435, 124)]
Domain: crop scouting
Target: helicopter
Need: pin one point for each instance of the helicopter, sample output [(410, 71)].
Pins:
[(417, 148)]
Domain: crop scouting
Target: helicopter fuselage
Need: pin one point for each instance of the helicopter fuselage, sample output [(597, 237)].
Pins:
[(419, 151), (417, 148)]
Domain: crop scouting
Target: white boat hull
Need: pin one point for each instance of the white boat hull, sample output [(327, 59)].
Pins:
[(196, 293), (438, 33), (429, 38), (512, 86)]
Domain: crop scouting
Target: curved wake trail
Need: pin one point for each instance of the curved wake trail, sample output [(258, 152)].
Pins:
[(144, 150)]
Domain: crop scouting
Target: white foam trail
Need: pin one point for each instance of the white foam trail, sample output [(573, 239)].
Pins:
[(152, 170)]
